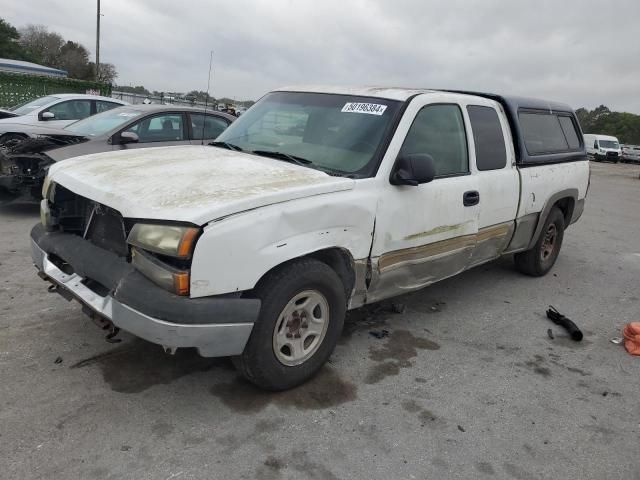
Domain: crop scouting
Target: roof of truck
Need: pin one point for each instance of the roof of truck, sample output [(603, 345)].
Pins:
[(512, 106), (403, 94), (389, 93)]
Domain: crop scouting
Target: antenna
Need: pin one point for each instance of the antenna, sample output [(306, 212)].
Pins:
[(206, 99)]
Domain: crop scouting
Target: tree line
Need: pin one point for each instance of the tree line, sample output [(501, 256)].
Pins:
[(35, 43), (622, 125)]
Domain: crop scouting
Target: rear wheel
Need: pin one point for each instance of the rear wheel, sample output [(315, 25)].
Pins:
[(541, 258), (300, 321)]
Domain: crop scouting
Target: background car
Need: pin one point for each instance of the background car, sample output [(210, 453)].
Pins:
[(631, 153), (24, 161), (55, 111)]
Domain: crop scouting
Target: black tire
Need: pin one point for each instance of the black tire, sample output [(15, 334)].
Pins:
[(537, 261), (259, 363)]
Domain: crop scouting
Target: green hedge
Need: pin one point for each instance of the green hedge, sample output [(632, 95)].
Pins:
[(16, 88)]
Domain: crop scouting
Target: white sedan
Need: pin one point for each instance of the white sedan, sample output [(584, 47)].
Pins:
[(57, 110)]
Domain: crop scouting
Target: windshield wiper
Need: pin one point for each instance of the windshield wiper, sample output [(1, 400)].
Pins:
[(227, 145), (283, 156)]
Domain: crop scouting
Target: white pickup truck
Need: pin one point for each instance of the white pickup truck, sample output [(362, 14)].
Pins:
[(315, 201)]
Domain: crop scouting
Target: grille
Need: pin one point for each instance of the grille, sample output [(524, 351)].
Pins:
[(105, 229), (101, 225), (612, 154)]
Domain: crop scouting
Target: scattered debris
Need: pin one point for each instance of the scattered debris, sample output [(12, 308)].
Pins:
[(398, 307), (58, 360), (461, 428), (559, 319), (617, 340), (125, 448), (550, 334), (379, 334), (605, 393)]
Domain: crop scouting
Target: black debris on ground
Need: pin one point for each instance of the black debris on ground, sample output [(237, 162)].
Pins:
[(379, 334)]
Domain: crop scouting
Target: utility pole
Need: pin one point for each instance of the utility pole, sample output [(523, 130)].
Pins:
[(98, 43)]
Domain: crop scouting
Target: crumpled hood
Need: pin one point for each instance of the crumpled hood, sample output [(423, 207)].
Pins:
[(189, 183)]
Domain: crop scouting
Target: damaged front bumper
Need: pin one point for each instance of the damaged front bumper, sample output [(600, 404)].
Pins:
[(113, 290)]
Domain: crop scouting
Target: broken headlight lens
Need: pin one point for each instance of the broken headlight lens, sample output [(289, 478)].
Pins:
[(163, 275), (172, 240)]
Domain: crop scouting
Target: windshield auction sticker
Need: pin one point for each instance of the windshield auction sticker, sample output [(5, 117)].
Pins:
[(370, 108)]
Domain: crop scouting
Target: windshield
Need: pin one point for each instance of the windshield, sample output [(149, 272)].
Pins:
[(25, 108), (103, 122), (339, 133), (608, 144)]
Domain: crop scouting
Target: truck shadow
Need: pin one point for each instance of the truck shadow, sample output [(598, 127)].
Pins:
[(139, 365)]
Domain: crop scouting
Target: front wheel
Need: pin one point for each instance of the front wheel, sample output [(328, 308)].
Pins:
[(539, 260), (301, 319), (11, 137)]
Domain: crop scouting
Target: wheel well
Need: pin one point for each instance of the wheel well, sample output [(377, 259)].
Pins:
[(339, 259), (566, 206), (341, 262)]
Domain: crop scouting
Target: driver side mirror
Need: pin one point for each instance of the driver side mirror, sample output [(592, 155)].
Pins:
[(128, 137), (47, 116), (413, 169)]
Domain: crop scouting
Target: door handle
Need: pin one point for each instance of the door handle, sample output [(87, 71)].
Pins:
[(471, 198)]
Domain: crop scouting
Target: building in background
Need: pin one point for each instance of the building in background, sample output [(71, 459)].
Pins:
[(28, 68)]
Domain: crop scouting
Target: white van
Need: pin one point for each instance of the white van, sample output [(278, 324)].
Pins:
[(603, 147)]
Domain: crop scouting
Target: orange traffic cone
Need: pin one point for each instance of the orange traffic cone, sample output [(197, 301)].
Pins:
[(631, 333)]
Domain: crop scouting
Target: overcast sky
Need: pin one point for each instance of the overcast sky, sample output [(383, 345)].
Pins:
[(582, 52)]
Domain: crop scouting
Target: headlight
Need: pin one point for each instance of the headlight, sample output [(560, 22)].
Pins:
[(46, 185), (163, 275), (171, 240)]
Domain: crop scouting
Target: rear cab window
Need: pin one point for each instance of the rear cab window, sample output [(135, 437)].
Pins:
[(547, 132)]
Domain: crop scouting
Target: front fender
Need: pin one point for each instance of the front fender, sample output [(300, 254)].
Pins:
[(233, 253)]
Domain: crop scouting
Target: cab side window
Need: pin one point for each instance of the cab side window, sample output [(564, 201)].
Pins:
[(71, 110), (438, 130), (491, 151)]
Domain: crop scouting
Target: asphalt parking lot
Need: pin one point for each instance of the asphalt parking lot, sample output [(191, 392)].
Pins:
[(466, 385)]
